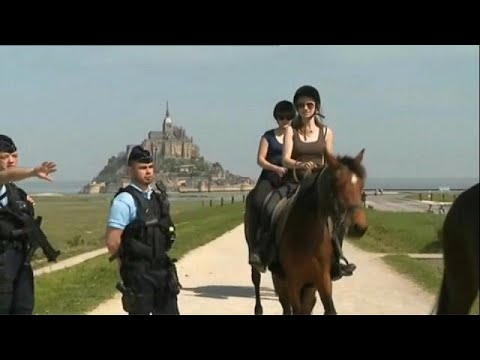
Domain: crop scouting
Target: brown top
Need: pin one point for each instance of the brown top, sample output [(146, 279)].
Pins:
[(309, 151)]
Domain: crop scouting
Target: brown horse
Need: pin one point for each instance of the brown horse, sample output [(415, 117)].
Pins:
[(250, 228), (303, 233), (460, 238)]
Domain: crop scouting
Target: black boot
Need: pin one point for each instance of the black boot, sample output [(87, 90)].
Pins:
[(254, 257), (339, 269), (335, 273), (268, 250), (347, 269)]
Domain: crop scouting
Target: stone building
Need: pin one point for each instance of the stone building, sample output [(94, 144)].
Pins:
[(171, 142)]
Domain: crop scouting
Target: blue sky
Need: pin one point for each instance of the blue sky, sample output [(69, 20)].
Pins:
[(414, 108)]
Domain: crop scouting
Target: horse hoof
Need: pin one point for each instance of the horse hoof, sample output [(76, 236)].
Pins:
[(258, 310)]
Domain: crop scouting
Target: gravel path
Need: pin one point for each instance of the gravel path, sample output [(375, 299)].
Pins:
[(216, 281)]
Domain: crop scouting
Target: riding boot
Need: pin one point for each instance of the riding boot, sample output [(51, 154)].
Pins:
[(254, 246), (348, 268), (339, 269), (255, 256), (268, 251)]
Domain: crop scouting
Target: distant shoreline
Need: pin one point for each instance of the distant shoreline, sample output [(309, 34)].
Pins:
[(389, 184)]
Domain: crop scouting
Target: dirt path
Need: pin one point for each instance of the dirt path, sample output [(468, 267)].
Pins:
[(69, 262), (216, 280)]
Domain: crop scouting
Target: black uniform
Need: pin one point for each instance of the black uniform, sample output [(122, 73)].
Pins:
[(16, 274), (149, 279)]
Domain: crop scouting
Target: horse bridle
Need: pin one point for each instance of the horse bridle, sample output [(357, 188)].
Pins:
[(339, 211), (342, 213)]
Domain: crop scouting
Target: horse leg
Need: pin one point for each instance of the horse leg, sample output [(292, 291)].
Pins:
[(282, 292), (308, 299), (324, 287), (294, 296), (256, 283)]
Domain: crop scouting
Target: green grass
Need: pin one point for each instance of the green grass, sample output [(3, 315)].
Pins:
[(76, 224), (393, 232), (77, 289), (425, 273), (81, 288), (403, 233)]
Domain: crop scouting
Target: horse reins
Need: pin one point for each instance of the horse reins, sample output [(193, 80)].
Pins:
[(307, 172)]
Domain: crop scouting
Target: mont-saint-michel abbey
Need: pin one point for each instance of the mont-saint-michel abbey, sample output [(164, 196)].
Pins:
[(178, 162), (171, 142)]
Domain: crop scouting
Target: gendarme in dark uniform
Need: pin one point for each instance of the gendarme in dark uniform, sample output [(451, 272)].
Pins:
[(16, 275), (149, 282)]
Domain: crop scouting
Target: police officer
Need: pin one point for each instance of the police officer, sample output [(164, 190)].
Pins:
[(140, 232), (16, 275)]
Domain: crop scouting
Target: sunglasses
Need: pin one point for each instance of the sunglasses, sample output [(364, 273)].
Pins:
[(309, 104), (284, 117)]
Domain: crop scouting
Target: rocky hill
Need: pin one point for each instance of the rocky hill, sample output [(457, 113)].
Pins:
[(177, 162), (178, 174)]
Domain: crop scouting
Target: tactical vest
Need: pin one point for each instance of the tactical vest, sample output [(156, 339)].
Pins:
[(17, 201), (147, 245)]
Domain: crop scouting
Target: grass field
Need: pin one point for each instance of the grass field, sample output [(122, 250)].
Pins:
[(81, 288), (402, 233), (393, 232), (425, 273), (76, 224)]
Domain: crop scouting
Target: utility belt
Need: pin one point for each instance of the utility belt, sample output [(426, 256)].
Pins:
[(144, 265), (18, 243)]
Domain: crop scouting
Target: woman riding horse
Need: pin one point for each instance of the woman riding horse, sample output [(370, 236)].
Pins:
[(304, 145), (269, 158)]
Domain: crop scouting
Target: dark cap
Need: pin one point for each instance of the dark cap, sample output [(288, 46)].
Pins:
[(138, 154), (7, 144)]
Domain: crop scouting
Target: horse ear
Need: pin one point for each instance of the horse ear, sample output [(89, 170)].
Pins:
[(331, 160), (359, 156)]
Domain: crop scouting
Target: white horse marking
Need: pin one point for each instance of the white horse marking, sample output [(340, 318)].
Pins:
[(354, 179)]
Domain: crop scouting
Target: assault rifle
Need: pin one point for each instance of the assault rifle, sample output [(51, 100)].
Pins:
[(31, 229)]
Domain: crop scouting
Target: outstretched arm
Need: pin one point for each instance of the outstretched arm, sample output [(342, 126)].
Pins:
[(18, 174)]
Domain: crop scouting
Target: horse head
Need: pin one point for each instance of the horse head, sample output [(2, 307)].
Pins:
[(335, 190), (348, 177)]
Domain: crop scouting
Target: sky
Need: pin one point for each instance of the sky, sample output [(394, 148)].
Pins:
[(415, 109)]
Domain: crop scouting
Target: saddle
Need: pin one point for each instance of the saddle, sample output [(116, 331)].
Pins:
[(274, 201)]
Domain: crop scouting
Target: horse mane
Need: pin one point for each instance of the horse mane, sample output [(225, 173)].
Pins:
[(316, 192), (353, 165), (310, 179)]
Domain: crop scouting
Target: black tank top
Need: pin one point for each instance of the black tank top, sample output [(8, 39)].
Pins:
[(274, 153)]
